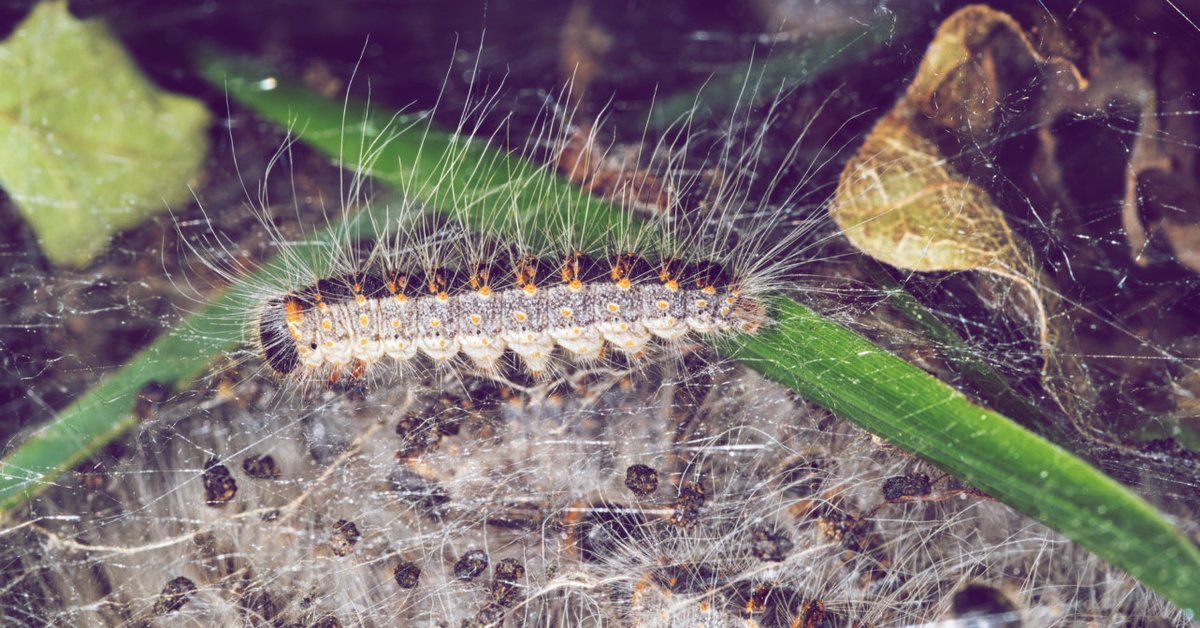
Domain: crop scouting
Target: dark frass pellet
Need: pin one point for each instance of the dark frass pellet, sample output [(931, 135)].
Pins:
[(505, 590), (419, 436), (641, 479), (770, 546), (174, 595), (508, 570), (452, 412), (422, 493), (219, 485), (490, 615), (407, 575), (345, 535), (470, 565), (687, 505), (904, 487), (981, 602), (261, 467)]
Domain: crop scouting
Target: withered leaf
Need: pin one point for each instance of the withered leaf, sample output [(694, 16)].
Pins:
[(902, 201)]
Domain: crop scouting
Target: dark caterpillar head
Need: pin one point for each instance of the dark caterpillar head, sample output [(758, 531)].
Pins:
[(274, 338)]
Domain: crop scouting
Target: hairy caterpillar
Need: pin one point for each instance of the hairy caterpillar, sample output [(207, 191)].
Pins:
[(699, 263), (529, 307)]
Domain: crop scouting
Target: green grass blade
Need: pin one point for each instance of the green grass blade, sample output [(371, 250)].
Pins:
[(822, 361)]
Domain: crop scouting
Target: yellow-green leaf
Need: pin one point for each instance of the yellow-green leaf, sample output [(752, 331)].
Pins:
[(901, 202), (88, 146)]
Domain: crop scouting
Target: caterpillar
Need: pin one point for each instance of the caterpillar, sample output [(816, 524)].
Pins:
[(699, 262), (529, 306)]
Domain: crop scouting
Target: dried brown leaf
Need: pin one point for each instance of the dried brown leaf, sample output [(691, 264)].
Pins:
[(902, 201)]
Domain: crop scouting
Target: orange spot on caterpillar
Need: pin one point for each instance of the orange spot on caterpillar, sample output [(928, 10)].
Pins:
[(526, 274), (293, 311), (397, 283)]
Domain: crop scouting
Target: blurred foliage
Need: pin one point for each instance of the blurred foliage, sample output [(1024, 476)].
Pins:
[(88, 146)]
